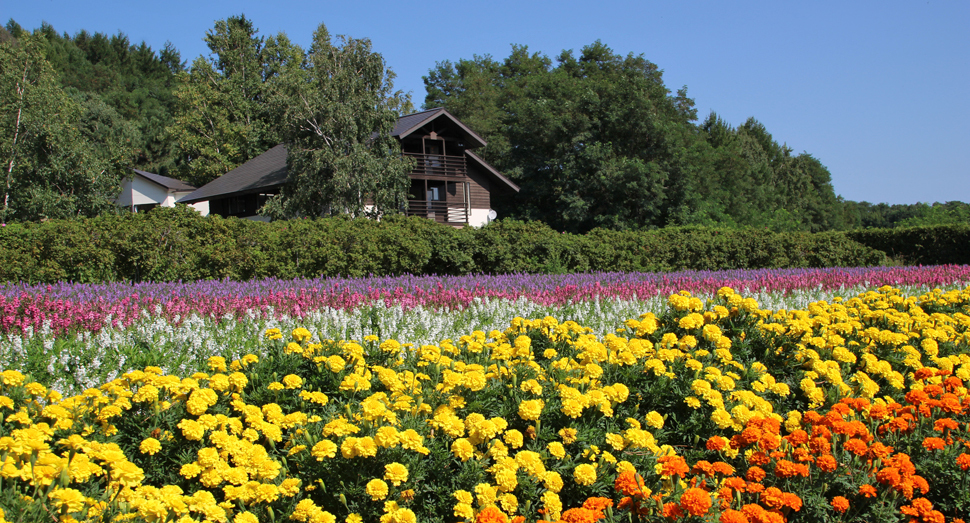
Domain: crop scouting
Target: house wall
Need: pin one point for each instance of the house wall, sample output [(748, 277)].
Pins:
[(139, 191), (480, 189)]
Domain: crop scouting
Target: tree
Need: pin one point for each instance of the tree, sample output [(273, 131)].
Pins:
[(51, 168), (336, 115), (592, 141), (220, 119)]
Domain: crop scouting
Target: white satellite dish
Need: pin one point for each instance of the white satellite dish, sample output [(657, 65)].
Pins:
[(492, 214)]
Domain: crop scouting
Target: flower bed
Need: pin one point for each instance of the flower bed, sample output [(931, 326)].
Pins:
[(851, 410)]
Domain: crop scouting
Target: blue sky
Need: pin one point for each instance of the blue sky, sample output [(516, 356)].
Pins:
[(878, 91)]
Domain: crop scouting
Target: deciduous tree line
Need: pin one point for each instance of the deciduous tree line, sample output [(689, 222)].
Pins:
[(595, 139)]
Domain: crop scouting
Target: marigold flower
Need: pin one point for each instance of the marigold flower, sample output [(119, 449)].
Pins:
[(150, 446), (755, 474), (933, 443), (963, 460), (695, 501), (840, 504), (377, 489), (584, 474), (868, 491), (673, 465), (491, 515), (827, 463), (396, 473), (733, 516)]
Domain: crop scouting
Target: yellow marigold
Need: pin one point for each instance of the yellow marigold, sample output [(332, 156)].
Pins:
[(324, 449), (654, 419), (377, 489), (585, 474), (530, 410), (396, 473), (513, 438), (300, 335), (150, 446), (292, 381), (568, 435), (556, 449), (68, 499)]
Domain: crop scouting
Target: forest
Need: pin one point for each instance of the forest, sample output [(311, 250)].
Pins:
[(594, 139)]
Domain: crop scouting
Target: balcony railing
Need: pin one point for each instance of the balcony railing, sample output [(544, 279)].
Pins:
[(438, 165), (442, 212)]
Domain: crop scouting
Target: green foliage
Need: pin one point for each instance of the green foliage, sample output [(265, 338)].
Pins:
[(221, 118), (168, 244), (599, 141), (336, 115), (929, 245), (61, 157)]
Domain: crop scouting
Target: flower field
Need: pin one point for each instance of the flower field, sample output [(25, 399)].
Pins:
[(73, 337), (757, 401)]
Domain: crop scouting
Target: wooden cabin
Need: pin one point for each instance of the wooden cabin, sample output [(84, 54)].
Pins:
[(450, 184)]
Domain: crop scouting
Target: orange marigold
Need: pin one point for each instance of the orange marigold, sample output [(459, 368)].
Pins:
[(827, 463), (868, 491), (943, 424), (933, 443), (717, 443), (581, 515), (856, 446), (672, 510), (788, 469), (722, 468), (773, 497), (840, 504), (491, 515), (733, 516), (673, 465), (695, 501), (755, 474), (629, 484), (598, 503), (963, 460), (792, 500)]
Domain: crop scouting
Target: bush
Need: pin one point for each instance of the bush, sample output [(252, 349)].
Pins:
[(169, 244)]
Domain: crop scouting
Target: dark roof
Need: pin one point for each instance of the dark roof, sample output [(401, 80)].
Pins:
[(165, 181), (262, 172), (408, 124), (485, 165)]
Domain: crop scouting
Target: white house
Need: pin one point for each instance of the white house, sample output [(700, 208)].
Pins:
[(145, 190)]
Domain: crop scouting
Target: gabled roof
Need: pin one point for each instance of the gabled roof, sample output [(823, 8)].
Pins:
[(485, 165), (165, 181), (408, 124), (262, 172)]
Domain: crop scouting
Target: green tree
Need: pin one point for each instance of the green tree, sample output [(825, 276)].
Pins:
[(593, 141), (336, 116), (220, 119), (51, 168)]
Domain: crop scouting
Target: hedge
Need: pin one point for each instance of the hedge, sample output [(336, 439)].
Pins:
[(168, 244)]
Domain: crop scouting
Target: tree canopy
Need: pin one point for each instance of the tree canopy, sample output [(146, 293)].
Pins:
[(336, 114), (598, 140), (63, 156)]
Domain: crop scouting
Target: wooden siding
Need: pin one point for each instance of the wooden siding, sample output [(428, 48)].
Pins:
[(480, 188)]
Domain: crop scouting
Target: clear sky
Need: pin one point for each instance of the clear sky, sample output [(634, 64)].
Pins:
[(878, 91)]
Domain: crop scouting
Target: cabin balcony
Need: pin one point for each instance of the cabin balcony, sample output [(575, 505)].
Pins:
[(438, 166), (442, 212)]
